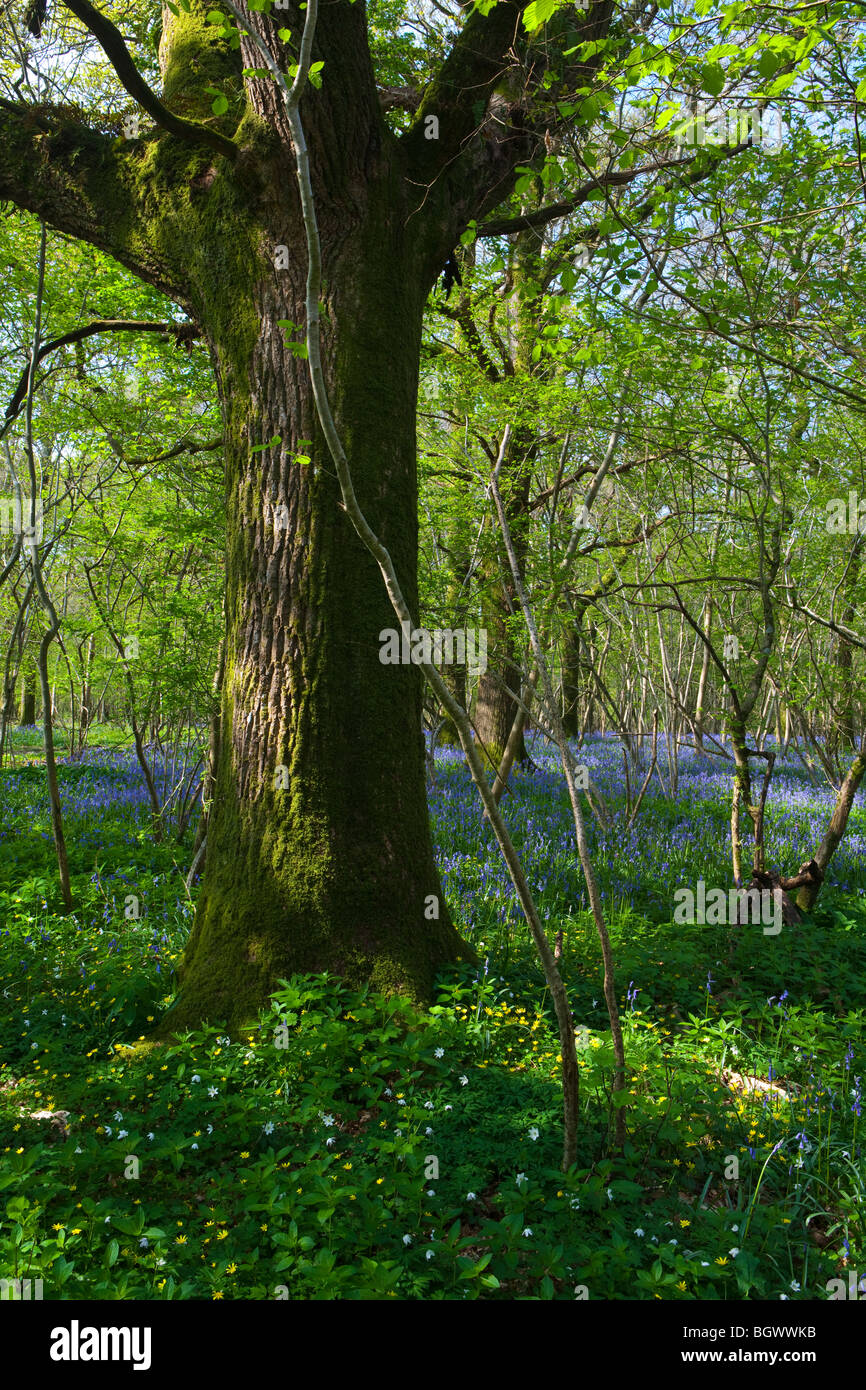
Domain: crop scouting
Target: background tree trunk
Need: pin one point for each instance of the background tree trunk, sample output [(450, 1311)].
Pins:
[(28, 695)]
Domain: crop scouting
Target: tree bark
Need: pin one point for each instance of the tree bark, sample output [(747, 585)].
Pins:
[(28, 696)]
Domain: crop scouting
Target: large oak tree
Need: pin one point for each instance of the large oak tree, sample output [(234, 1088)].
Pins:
[(328, 865)]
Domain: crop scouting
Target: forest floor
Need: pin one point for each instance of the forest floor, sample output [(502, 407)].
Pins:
[(379, 1152)]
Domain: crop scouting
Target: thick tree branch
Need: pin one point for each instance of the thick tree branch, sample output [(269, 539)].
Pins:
[(458, 95), (120, 58), (82, 183)]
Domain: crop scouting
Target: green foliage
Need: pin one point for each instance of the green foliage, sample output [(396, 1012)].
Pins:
[(293, 1158)]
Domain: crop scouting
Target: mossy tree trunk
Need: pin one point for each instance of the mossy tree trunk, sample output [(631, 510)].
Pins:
[(319, 853)]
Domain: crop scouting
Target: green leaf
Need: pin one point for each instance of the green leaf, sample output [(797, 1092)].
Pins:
[(220, 103), (781, 84), (768, 65), (713, 79), (538, 13), (112, 1253)]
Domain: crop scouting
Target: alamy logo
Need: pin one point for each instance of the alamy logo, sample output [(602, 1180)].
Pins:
[(856, 1287), (416, 645), (846, 515), (76, 1343), (17, 518), (730, 127), (731, 907), (16, 1289)]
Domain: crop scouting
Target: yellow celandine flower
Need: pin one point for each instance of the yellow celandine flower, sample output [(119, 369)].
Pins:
[(682, 1286), (245, 1154), (221, 1235), (180, 1240), (217, 1293), (231, 1269), (721, 1259), (264, 1227), (379, 1182), (76, 1230)]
